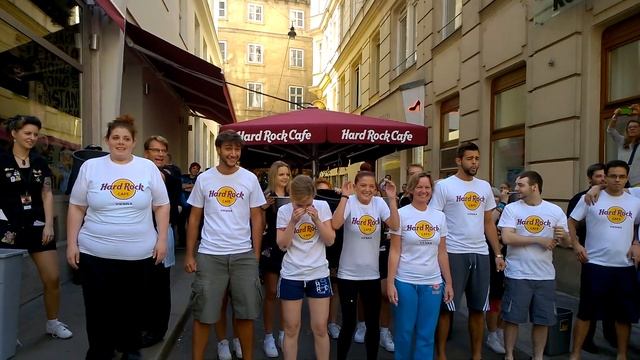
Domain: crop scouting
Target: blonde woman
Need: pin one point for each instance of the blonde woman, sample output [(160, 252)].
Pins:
[(271, 255)]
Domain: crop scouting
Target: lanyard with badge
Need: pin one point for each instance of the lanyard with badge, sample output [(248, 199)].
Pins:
[(25, 196)]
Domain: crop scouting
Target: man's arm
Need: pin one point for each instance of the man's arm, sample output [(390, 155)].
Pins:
[(257, 228)]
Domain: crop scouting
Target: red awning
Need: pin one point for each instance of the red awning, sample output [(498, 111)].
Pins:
[(113, 12), (314, 126), (323, 138), (200, 84)]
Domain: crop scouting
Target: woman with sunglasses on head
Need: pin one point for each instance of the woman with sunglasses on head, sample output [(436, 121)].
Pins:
[(26, 216)]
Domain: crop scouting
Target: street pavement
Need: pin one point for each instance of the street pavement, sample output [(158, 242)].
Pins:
[(37, 346)]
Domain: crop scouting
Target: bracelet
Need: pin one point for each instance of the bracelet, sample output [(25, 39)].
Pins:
[(500, 256), (344, 196)]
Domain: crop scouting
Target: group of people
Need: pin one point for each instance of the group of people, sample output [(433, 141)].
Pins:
[(445, 240)]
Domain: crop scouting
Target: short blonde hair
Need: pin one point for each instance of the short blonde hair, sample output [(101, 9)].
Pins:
[(162, 140)]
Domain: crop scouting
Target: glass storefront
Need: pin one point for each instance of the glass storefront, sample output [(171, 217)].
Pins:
[(36, 78)]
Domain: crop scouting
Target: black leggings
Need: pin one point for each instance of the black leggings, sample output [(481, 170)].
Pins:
[(369, 291), (113, 298)]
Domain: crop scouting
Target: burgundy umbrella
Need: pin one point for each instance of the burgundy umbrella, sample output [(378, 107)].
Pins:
[(321, 138)]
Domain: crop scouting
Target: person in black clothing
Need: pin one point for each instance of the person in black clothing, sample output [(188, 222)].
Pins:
[(412, 169), (188, 180), (596, 176), (26, 212), (158, 292), (271, 255)]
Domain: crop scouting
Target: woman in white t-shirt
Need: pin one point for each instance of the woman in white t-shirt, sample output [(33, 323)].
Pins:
[(418, 263), (627, 144), (362, 215), (111, 239), (304, 230)]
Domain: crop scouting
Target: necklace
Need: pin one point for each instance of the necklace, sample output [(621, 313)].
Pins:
[(24, 160)]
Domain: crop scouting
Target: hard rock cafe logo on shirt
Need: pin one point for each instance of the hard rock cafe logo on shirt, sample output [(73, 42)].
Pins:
[(615, 214), (423, 229), (226, 195), (122, 189), (471, 200), (533, 223), (305, 231), (367, 224)]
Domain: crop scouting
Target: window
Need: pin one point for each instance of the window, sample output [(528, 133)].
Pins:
[(35, 81), (254, 99), (196, 45), (296, 58), (508, 115), (355, 80), (620, 59), (296, 18), (205, 50), (223, 50), (451, 17), (406, 34), (255, 13), (254, 54), (449, 135), (222, 9), (450, 122), (375, 64), (296, 96)]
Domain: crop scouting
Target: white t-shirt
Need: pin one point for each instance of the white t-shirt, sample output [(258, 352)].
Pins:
[(306, 258), (609, 228), (420, 233), (227, 201), (464, 204), (534, 261), (361, 244), (118, 223)]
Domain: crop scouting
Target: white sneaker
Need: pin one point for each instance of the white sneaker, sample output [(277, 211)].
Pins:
[(361, 330), (496, 343), (281, 339), (223, 350), (386, 340), (58, 330), (334, 330), (269, 346), (237, 349)]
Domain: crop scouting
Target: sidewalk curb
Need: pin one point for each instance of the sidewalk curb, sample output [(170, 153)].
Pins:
[(170, 340)]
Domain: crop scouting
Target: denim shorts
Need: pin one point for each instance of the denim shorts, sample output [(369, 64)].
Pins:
[(298, 289)]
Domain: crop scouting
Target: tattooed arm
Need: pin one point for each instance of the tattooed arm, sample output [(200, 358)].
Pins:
[(47, 202)]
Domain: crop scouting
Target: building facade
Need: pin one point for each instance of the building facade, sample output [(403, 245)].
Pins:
[(75, 65), (531, 82), (259, 55)]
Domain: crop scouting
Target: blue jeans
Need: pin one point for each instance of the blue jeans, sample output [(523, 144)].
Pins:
[(416, 314)]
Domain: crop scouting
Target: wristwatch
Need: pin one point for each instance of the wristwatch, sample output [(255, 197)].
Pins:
[(500, 256)]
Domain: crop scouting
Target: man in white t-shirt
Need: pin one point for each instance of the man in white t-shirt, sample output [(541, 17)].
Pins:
[(468, 204), (610, 256), (531, 229), (230, 198)]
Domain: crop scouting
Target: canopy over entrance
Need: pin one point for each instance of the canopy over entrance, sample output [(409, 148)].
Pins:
[(321, 138)]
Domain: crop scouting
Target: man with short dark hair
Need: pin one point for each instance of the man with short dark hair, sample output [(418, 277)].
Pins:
[(230, 198), (188, 180), (610, 256), (531, 229), (596, 177), (468, 204)]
